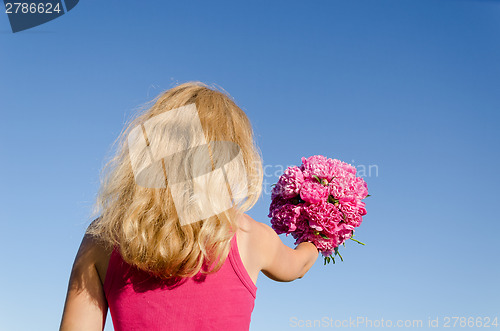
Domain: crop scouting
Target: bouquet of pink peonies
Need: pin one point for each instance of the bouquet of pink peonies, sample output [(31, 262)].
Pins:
[(319, 202)]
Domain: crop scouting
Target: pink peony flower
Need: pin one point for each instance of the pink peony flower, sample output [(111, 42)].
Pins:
[(344, 232), (285, 217), (289, 183), (340, 165), (336, 187), (277, 202), (352, 210), (360, 188), (313, 192), (324, 245), (317, 165), (323, 216)]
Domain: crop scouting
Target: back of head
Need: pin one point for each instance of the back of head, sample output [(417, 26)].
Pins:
[(184, 169)]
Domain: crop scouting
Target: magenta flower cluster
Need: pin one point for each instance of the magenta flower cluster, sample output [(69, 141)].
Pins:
[(319, 202)]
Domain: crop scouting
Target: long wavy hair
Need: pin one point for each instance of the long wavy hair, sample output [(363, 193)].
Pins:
[(143, 222)]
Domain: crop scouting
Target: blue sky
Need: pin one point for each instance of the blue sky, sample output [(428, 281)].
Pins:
[(408, 87)]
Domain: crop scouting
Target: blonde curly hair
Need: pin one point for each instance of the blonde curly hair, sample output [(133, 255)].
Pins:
[(143, 222)]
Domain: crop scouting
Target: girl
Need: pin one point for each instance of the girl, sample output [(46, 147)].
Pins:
[(173, 248)]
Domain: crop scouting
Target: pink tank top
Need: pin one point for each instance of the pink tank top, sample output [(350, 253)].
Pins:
[(220, 301)]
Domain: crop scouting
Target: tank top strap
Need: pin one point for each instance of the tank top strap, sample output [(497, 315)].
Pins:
[(239, 268), (115, 263)]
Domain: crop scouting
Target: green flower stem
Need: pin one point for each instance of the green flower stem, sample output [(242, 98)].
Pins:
[(359, 242)]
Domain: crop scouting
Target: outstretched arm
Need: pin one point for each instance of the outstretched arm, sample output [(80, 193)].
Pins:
[(282, 263), (86, 306)]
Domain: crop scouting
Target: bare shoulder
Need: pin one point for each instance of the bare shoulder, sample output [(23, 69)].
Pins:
[(93, 253), (86, 306), (255, 232), (251, 244), (259, 236), (253, 227)]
